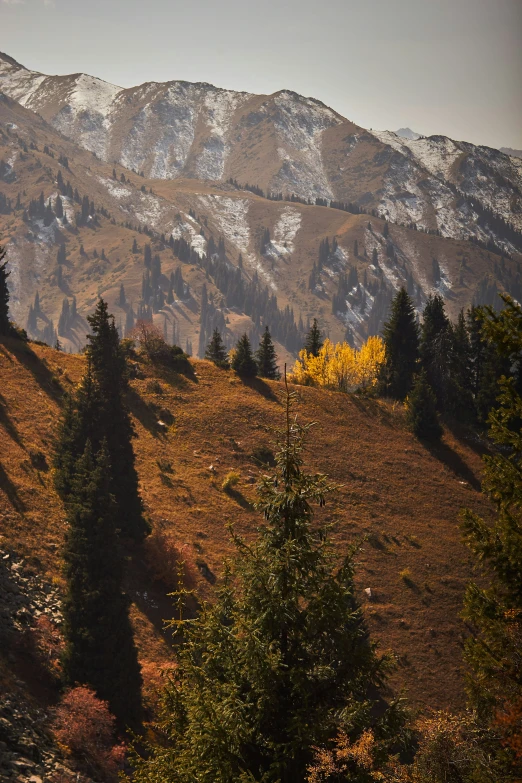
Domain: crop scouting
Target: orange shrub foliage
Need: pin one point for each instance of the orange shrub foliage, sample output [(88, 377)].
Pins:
[(49, 643), (167, 562), (155, 676), (84, 726)]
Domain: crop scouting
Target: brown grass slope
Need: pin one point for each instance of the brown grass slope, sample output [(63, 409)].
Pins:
[(402, 497)]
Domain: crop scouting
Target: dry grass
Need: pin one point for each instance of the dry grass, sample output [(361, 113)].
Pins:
[(404, 497)]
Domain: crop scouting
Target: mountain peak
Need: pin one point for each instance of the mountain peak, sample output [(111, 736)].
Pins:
[(408, 133)]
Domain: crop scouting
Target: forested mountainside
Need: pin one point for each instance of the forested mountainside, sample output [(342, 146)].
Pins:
[(193, 255)]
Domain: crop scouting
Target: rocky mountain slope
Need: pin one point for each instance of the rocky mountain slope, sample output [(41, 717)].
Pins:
[(283, 143), (211, 233)]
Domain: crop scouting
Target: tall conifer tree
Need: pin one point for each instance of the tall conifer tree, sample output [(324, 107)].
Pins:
[(436, 350), (266, 357), (401, 340), (110, 374), (216, 351), (99, 649), (314, 341), (5, 326), (494, 607), (282, 660), (243, 361)]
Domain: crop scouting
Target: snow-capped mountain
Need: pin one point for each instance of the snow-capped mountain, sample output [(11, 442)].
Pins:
[(282, 143)]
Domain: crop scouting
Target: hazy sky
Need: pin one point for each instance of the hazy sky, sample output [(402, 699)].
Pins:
[(439, 66)]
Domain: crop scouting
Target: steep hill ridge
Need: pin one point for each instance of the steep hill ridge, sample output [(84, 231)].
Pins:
[(281, 142)]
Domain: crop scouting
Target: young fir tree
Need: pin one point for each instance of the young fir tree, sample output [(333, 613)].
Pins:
[(266, 357), (99, 646), (401, 340), (109, 370), (282, 661), (494, 608), (5, 325), (216, 351), (243, 361), (314, 341), (422, 414)]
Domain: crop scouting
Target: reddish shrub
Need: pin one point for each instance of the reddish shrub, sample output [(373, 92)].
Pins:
[(85, 727), (155, 676), (49, 643), (167, 562)]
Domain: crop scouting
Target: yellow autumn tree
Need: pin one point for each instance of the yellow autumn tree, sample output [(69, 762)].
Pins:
[(339, 366)]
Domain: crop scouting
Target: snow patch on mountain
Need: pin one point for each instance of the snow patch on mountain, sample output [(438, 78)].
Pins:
[(19, 83), (186, 230), (300, 123), (285, 231), (230, 216)]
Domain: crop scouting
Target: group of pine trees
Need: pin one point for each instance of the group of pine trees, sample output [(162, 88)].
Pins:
[(441, 367), (262, 363)]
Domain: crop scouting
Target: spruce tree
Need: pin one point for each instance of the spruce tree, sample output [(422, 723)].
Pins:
[(314, 341), (243, 362), (5, 325), (216, 351), (282, 661), (78, 424), (266, 357), (422, 414), (110, 374), (99, 646), (401, 340), (494, 608), (436, 347)]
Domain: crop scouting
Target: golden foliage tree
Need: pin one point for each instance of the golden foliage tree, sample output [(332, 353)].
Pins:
[(339, 366)]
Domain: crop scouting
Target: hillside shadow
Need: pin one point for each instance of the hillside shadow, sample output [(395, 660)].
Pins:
[(261, 387), (10, 490), (143, 412), (7, 424), (453, 461), (479, 445), (239, 498), (41, 373)]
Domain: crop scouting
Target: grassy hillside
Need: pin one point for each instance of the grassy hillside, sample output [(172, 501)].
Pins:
[(400, 497)]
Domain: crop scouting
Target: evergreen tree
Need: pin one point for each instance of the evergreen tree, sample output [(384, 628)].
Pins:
[(401, 340), (243, 362), (99, 649), (78, 424), (436, 348), (494, 608), (422, 410), (5, 325), (110, 373), (462, 404), (266, 357), (281, 662), (216, 351), (314, 341), (122, 300)]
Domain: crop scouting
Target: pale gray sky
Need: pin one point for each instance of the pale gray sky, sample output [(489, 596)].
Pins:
[(439, 66)]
